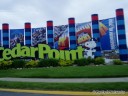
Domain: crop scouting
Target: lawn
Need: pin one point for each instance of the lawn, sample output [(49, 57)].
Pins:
[(69, 72), (65, 86)]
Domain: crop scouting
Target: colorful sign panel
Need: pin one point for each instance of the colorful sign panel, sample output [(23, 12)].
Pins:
[(108, 34), (16, 36), (83, 33), (38, 36), (61, 37)]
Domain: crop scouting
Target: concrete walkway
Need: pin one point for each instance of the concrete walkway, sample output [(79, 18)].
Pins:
[(67, 80)]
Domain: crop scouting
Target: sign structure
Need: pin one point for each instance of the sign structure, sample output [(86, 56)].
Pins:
[(68, 42)]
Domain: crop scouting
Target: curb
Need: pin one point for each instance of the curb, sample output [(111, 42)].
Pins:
[(95, 93)]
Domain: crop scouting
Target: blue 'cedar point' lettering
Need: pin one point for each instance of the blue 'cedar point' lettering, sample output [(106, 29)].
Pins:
[(42, 50)]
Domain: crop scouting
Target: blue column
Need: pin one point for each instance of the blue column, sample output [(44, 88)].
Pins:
[(50, 39), (123, 50), (72, 35), (96, 34), (28, 34), (5, 30)]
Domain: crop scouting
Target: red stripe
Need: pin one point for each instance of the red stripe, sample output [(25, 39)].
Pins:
[(94, 18), (49, 23), (119, 13), (71, 21), (27, 25), (5, 27)]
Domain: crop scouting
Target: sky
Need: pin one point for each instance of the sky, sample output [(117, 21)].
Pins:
[(17, 12)]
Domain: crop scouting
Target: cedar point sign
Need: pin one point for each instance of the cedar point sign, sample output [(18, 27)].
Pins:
[(68, 42), (42, 50)]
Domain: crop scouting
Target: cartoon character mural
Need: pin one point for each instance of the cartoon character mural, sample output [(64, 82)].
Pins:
[(83, 33), (84, 39), (89, 48)]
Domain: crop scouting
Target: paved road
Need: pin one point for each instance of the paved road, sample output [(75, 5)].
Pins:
[(68, 80), (24, 94)]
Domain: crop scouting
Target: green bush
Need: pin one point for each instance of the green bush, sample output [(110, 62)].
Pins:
[(81, 62), (99, 61), (66, 62), (48, 62), (18, 63), (5, 64), (90, 60), (31, 64), (117, 62)]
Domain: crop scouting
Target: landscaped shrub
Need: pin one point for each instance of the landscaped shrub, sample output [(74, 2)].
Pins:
[(5, 64), (18, 63), (90, 60), (117, 62), (31, 64), (99, 61), (53, 62), (66, 62), (81, 62), (48, 62)]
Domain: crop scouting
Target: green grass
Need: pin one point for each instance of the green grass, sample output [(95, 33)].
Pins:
[(65, 86), (68, 72)]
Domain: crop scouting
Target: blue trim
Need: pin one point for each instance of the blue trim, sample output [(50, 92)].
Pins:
[(72, 29), (27, 33), (5, 42), (49, 27), (50, 39), (120, 32), (27, 29), (123, 51), (72, 38), (95, 31), (27, 41), (72, 46), (120, 27), (71, 25), (94, 22), (120, 22), (123, 41), (123, 46), (5, 34), (123, 36), (95, 26), (96, 35), (49, 31), (120, 17)]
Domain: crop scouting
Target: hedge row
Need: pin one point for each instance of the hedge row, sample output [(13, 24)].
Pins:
[(19, 63)]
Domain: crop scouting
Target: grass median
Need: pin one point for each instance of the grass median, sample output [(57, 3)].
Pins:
[(68, 72), (65, 86)]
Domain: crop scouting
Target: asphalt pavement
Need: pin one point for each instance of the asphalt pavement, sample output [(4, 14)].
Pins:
[(3, 93)]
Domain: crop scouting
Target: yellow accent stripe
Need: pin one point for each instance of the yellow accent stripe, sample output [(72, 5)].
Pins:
[(61, 92)]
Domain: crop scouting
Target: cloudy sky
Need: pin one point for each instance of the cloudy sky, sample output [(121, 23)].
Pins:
[(17, 12)]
